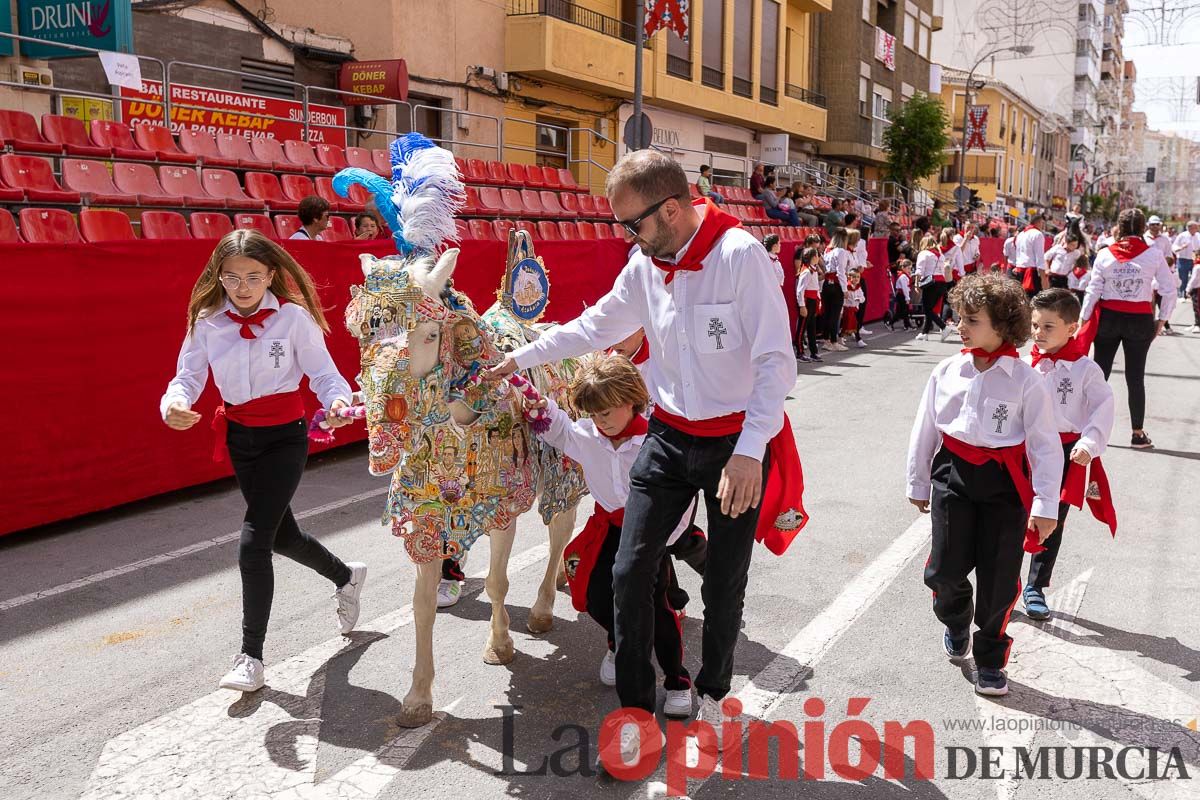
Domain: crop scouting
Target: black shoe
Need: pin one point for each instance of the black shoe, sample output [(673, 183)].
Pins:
[(816, 358), (957, 647), (1141, 441), (991, 682)]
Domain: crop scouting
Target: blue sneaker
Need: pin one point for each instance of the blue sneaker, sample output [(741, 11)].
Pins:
[(1035, 604), (957, 647), (991, 682)]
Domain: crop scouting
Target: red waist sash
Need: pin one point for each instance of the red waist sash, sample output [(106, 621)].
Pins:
[(1013, 459), (1076, 487), (580, 554), (812, 294), (1089, 329), (273, 409)]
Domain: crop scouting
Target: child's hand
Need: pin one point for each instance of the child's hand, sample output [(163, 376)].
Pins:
[(922, 505), (804, 311), (332, 420), (534, 405), (1045, 527), (180, 417), (1081, 456)]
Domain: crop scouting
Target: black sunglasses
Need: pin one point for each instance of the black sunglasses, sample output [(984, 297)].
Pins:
[(633, 225)]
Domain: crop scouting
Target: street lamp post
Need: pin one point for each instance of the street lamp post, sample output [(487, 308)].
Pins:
[(961, 193)]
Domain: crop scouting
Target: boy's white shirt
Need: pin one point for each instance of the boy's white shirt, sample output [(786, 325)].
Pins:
[(1082, 399)]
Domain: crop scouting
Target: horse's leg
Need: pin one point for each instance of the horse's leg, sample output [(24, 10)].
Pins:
[(541, 616), (418, 703), (499, 648)]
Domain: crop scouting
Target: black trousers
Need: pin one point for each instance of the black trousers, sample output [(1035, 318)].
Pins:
[(978, 525), (668, 636), (810, 323), (862, 308), (671, 467), (1134, 333), (900, 309), (1059, 281), (931, 293), (832, 297), (268, 462), (1041, 565)]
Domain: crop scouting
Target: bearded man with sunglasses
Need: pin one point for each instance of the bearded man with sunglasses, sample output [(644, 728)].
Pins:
[(705, 292)]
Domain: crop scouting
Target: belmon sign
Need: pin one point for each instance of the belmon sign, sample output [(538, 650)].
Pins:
[(102, 24)]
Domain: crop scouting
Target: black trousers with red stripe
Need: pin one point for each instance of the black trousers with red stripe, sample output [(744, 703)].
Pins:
[(1041, 565), (978, 525), (668, 635)]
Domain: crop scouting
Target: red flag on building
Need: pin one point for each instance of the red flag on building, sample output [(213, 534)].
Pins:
[(977, 127), (670, 14)]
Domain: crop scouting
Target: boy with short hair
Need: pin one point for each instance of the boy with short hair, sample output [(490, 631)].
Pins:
[(1083, 410), (705, 187)]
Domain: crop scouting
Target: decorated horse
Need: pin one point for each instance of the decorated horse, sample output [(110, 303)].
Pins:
[(460, 452)]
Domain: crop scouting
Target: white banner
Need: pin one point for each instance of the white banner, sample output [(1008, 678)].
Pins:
[(773, 149), (122, 69)]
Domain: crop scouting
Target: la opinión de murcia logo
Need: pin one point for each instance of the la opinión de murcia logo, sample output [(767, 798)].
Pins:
[(852, 750), (60, 20)]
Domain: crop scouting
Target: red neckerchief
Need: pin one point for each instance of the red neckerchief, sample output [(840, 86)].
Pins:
[(1079, 271), (947, 248), (256, 318), (1073, 350), (1128, 248), (636, 427), (713, 224), (641, 355), (1006, 349)]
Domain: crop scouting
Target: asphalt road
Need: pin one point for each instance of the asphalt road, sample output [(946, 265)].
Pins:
[(114, 630)]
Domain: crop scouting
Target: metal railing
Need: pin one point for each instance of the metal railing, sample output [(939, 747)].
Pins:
[(805, 95), (713, 78), (451, 141), (297, 88), (679, 67), (743, 87), (768, 96), (576, 15), (400, 105)]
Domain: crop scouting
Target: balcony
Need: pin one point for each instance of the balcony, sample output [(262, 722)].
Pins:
[(679, 67), (743, 87), (805, 95), (768, 96), (570, 44), (712, 78)]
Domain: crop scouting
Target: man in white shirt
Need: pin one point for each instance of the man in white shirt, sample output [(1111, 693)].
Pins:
[(1184, 247), (1030, 249), (314, 217), (704, 291), (1158, 239)]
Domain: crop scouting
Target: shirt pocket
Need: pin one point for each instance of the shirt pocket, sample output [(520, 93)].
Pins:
[(716, 328), (1000, 416), (275, 355)]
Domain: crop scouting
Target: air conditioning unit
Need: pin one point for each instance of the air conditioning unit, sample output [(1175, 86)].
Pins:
[(32, 77)]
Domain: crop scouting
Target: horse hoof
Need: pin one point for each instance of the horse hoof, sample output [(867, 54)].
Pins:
[(416, 716), (499, 656), (540, 623)]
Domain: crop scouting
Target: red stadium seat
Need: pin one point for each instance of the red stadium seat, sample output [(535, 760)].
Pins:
[(570, 205), (105, 225), (618, 229), (48, 226), (233, 146), (518, 176), (587, 231), (223, 184), (481, 229), (302, 153), (603, 208), (92, 181), (359, 195), (497, 174), (286, 225), (298, 187), (158, 139), (602, 229), (72, 135), (477, 173), (210, 225), (255, 222), (693, 192), (264, 187), (551, 205), (548, 231), (550, 178), (331, 156), (338, 230), (571, 230), (269, 151), (470, 206), (140, 180), (362, 158), (10, 195), (533, 203), (501, 227), (462, 231), (107, 133), (587, 206), (164, 225), (33, 175), (8, 228), (202, 145), (183, 182), (19, 130), (567, 180), (510, 203), (324, 188), (383, 161), (491, 203), (528, 227)]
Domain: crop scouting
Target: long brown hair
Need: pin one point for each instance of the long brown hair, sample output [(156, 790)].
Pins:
[(291, 282)]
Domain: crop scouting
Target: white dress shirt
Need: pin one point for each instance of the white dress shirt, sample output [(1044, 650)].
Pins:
[(1162, 242), (605, 468), (904, 286), (1004, 405), (1078, 284), (806, 281), (1185, 245), (1133, 281), (969, 248), (854, 298), (289, 345), (775, 262), (839, 261), (1082, 399), (1060, 260), (1009, 249), (955, 259), (1031, 249), (718, 336), (860, 254), (929, 266)]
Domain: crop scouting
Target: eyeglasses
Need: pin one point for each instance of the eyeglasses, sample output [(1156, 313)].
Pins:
[(633, 225), (252, 281)]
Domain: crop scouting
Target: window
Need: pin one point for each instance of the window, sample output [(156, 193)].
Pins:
[(925, 42), (867, 4), (999, 172), (551, 145), (769, 53), (712, 62), (268, 70), (910, 31), (1011, 171), (428, 116), (679, 53), (864, 96), (1003, 119), (743, 52), (881, 108)]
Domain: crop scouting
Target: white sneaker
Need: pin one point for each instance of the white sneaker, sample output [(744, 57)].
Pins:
[(946, 331), (710, 712), (678, 703), (347, 596), (608, 669), (631, 745), (864, 332), (1194, 329), (921, 337), (861, 344), (839, 347), (246, 675), (448, 593)]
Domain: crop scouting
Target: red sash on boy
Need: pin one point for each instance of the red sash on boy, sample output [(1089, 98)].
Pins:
[(781, 513), (273, 409), (1124, 250), (713, 224), (1027, 280)]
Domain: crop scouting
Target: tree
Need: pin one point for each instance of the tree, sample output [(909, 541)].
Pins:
[(916, 141)]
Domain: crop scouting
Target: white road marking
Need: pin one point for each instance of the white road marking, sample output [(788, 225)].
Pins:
[(174, 554), (203, 750)]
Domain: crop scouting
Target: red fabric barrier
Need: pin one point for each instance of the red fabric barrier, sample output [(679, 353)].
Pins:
[(92, 333)]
